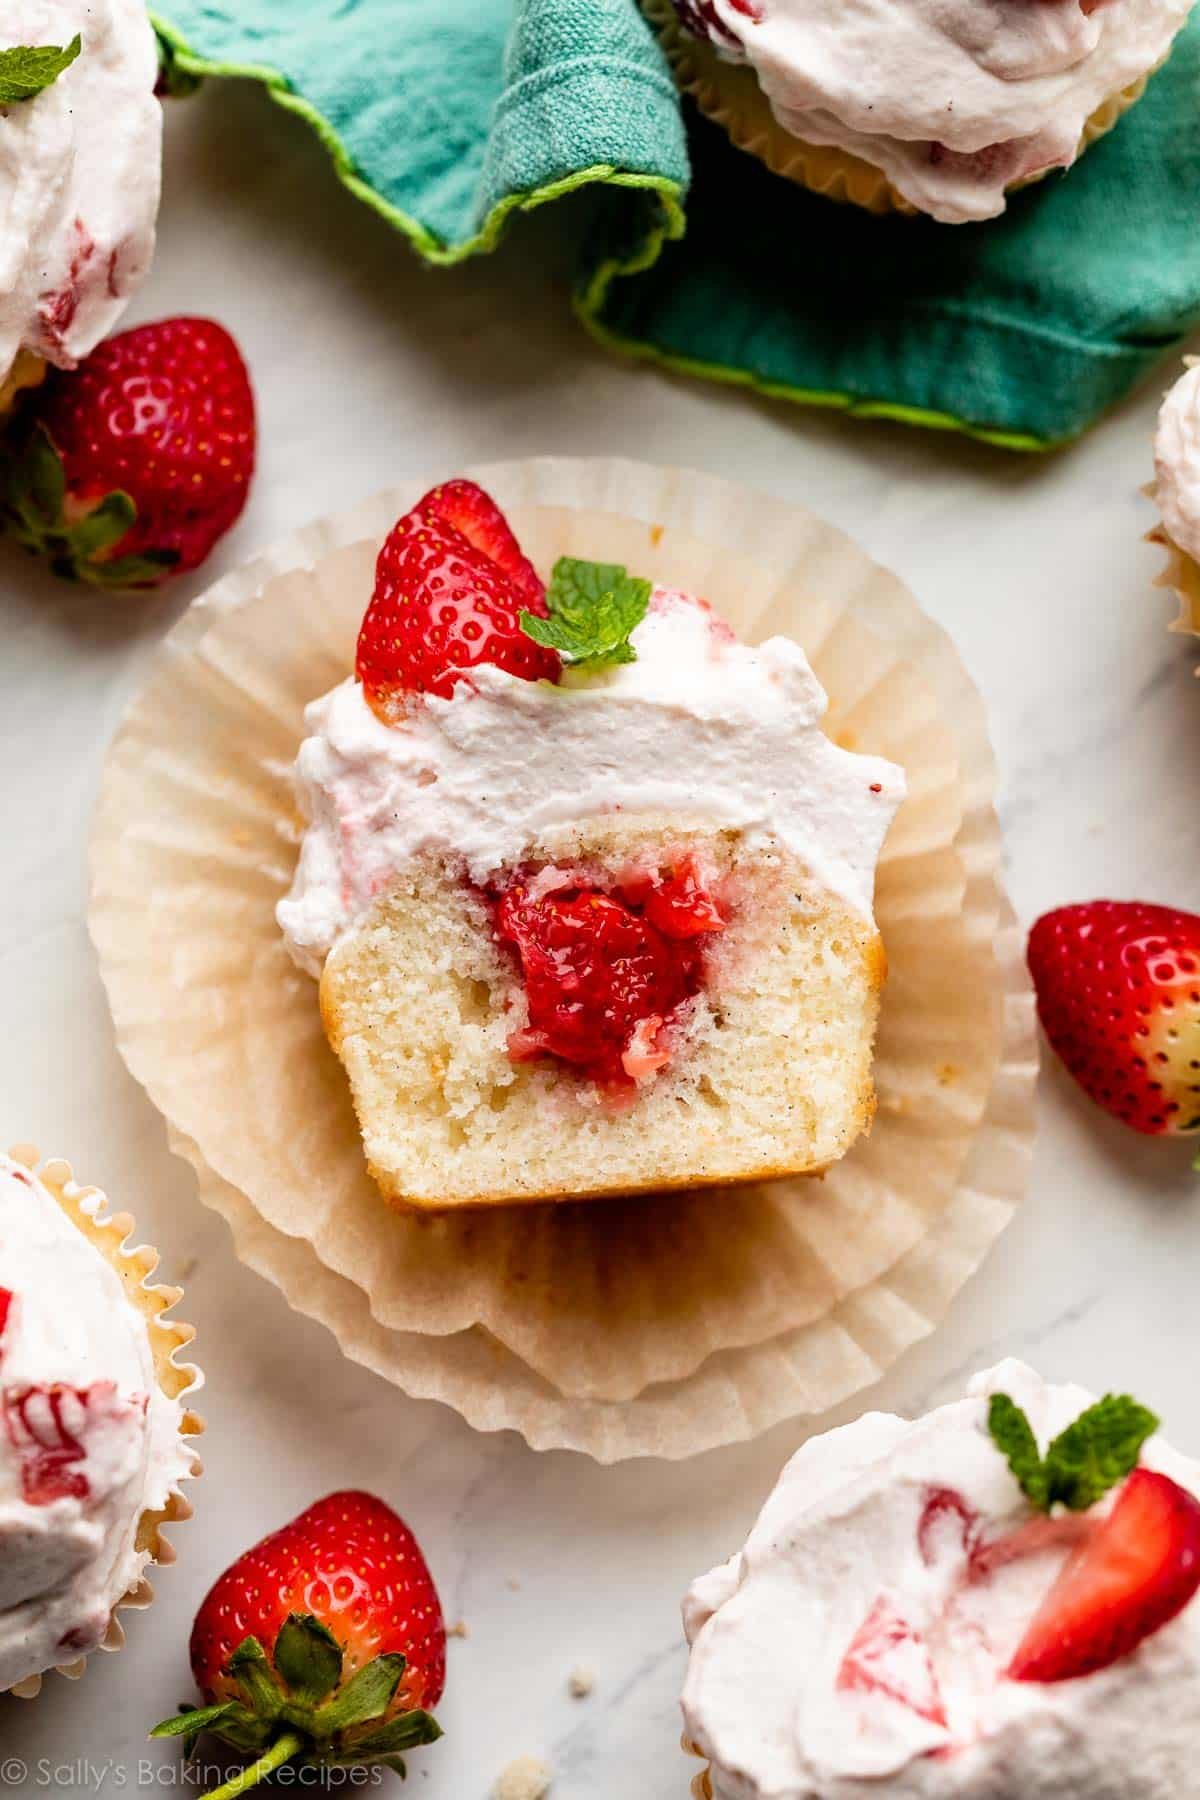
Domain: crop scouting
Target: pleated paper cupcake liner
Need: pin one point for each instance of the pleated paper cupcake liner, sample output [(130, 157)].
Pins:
[(553, 1319), (736, 1394), (111, 1233)]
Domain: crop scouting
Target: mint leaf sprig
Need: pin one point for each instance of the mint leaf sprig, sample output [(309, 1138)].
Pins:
[(594, 609), (27, 69), (1091, 1456)]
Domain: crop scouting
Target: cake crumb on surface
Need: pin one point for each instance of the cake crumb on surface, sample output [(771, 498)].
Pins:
[(580, 1682), (460, 1629), (529, 1778)]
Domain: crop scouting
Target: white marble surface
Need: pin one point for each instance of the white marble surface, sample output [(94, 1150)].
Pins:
[(367, 366)]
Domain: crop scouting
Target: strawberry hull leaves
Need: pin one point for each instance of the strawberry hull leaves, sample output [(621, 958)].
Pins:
[(293, 1705), (323, 1642), (130, 467), (37, 516)]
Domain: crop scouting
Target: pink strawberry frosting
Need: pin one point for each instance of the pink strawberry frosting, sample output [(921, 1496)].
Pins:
[(698, 724), (88, 1441), (954, 100), (80, 171), (856, 1647)]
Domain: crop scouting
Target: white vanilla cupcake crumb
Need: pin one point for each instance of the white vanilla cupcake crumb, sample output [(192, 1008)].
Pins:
[(580, 1683), (529, 1778)]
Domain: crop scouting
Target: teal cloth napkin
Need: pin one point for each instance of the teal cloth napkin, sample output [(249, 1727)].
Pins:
[(449, 118)]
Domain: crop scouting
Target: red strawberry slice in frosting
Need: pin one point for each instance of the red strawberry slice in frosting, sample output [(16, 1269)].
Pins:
[(1130, 1577), (465, 507), (888, 1656), (49, 1427), (947, 1525), (7, 1297), (443, 604)]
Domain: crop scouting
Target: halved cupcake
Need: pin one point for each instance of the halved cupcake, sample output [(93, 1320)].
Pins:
[(95, 1422), (587, 888)]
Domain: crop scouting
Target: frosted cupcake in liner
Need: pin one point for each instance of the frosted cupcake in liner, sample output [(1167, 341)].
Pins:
[(998, 1598), (80, 174), (554, 962), (902, 107), (553, 1319), (1176, 493), (96, 1422)]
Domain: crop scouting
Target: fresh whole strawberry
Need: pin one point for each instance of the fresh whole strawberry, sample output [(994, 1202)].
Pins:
[(129, 468), (1118, 989), (451, 586), (1132, 1576), (324, 1642)]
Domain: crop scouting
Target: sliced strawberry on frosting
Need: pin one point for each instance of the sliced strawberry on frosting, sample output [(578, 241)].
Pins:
[(6, 1305), (465, 507), (442, 605), (51, 1427), (1131, 1576), (889, 1657)]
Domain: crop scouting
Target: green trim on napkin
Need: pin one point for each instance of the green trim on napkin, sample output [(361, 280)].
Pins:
[(589, 306), (444, 255), (450, 120)]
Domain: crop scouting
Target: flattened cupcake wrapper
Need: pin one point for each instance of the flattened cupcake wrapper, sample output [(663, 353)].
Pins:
[(729, 94), (87, 1209), (790, 1296)]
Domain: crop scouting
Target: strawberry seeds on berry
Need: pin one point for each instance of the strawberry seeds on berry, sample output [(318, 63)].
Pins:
[(324, 1641), (450, 587), (1118, 991), (1128, 1579), (129, 468)]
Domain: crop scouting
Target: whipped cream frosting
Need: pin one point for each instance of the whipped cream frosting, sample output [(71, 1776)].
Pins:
[(80, 169), (871, 1520), (88, 1440), (1177, 462), (699, 724), (953, 99)]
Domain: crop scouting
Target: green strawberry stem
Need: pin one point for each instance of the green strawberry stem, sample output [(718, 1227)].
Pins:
[(281, 1751)]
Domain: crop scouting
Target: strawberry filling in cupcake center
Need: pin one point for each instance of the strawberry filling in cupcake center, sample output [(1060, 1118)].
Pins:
[(607, 973)]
